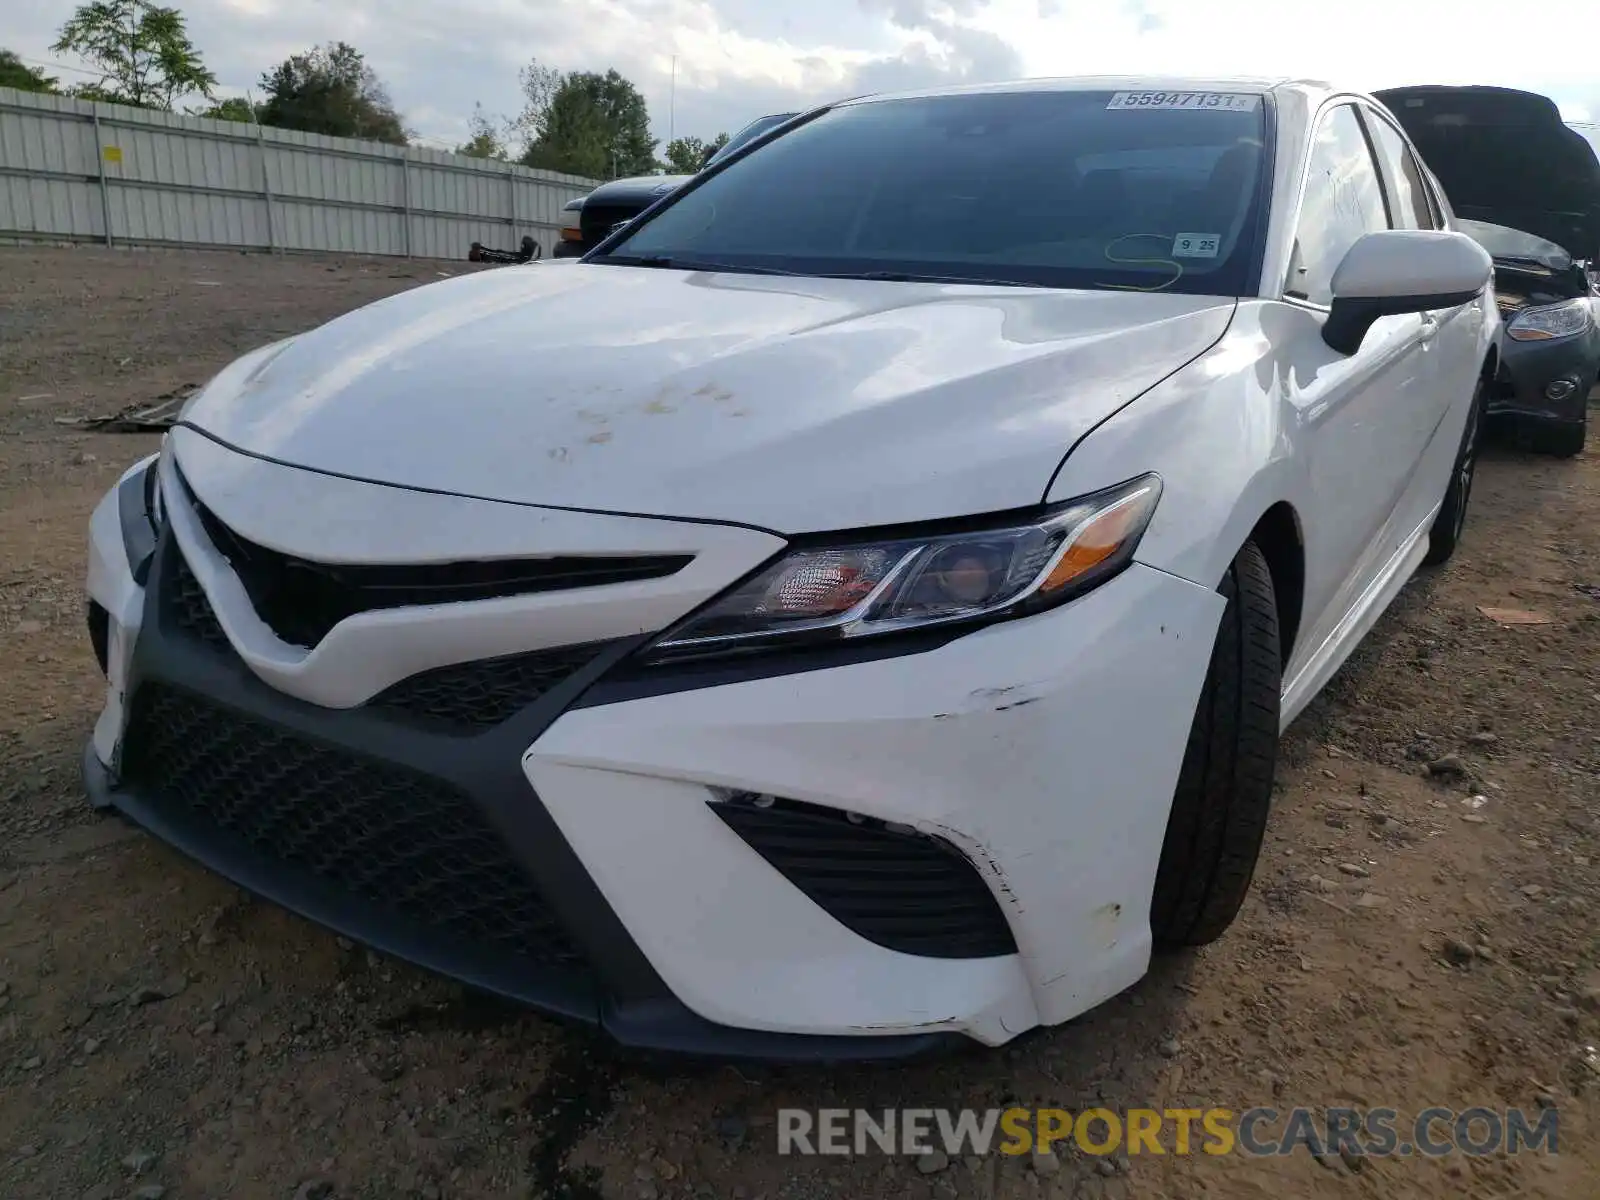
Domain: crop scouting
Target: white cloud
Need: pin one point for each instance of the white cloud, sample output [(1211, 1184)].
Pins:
[(738, 59)]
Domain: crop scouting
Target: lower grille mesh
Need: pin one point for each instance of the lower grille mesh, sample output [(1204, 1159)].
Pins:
[(485, 692), (903, 890), (390, 836), (191, 611)]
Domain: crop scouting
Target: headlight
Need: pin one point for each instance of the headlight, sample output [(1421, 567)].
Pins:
[(1550, 321), (874, 587)]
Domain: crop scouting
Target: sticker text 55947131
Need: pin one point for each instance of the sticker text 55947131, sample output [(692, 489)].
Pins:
[(1217, 101)]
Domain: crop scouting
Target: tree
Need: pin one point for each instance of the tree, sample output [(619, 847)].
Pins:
[(686, 155), (486, 140), (585, 123), (234, 108), (14, 73), (142, 51), (331, 90)]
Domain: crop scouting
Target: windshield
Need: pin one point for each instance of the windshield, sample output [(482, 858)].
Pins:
[(1050, 188), (749, 133)]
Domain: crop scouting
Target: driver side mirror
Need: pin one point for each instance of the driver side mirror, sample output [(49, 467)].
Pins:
[(1396, 271)]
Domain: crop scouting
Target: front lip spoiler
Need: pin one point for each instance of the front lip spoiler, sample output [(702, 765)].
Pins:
[(660, 1025)]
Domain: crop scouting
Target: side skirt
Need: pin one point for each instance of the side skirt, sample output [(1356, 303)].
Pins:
[(1355, 624)]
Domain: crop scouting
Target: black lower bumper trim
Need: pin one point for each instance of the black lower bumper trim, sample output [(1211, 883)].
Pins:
[(559, 992), (608, 983), (662, 1025)]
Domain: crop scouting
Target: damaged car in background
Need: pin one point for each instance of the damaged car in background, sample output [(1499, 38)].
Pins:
[(1527, 187), (831, 622), (588, 220)]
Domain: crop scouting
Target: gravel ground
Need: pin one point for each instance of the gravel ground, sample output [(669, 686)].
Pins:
[(1405, 945)]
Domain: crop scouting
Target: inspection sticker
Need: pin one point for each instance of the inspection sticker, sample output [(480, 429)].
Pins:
[(1220, 101), (1196, 245)]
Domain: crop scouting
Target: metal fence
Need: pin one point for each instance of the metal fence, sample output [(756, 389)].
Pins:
[(71, 170)]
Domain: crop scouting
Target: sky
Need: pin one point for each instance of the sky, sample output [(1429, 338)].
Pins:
[(736, 60)]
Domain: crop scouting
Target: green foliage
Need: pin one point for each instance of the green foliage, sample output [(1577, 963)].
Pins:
[(14, 73), (486, 140), (141, 50), (686, 155), (331, 90), (585, 123), (234, 108)]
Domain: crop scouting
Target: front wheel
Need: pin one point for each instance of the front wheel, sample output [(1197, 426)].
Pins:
[(1219, 811), (1451, 521)]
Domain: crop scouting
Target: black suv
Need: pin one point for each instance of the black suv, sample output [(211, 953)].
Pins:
[(610, 204)]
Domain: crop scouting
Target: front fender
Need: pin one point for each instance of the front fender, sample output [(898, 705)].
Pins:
[(1222, 440)]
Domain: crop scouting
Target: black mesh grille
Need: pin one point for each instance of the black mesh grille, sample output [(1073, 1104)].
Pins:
[(467, 696), (191, 611), (903, 890), (390, 836), (479, 694), (302, 600)]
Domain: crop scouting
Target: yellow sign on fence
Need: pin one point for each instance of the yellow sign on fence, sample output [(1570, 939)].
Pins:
[(112, 153)]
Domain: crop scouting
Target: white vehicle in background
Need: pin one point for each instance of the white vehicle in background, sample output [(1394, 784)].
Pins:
[(857, 608)]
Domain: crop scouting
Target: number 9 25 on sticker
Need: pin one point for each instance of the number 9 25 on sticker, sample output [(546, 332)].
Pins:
[(1217, 101)]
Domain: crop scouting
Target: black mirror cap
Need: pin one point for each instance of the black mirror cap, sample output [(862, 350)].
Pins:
[(1350, 317)]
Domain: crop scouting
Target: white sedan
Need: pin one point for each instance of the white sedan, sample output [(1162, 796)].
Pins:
[(852, 609)]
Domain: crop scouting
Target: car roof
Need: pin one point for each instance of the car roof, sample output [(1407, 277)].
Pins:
[(1117, 83)]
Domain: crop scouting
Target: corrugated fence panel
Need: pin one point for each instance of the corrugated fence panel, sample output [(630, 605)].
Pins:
[(308, 226), (69, 167), (49, 207)]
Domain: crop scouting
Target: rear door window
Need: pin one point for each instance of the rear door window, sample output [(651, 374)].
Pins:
[(1408, 193)]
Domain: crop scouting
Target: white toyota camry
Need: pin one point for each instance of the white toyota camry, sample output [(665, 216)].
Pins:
[(855, 607)]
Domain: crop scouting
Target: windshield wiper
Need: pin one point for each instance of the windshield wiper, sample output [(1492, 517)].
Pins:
[(917, 277), (667, 262)]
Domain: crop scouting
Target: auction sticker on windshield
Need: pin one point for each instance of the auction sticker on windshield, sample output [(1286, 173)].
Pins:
[(1222, 101), (1196, 245)]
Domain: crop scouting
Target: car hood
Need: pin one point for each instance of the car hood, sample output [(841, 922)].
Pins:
[(641, 189), (1506, 157), (791, 404)]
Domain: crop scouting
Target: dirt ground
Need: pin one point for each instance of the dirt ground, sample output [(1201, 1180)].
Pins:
[(1405, 945)]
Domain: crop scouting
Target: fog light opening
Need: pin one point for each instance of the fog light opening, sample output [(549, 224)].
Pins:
[(1560, 389)]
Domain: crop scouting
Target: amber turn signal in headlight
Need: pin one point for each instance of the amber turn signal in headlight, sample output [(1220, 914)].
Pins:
[(871, 587)]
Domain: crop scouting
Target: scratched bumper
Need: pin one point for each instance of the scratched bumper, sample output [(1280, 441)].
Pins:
[(1046, 750)]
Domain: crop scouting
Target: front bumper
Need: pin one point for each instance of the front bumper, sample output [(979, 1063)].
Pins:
[(1547, 381), (604, 884)]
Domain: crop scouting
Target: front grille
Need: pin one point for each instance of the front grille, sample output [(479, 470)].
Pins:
[(901, 889), (470, 696), (302, 600), (479, 694), (191, 611), (387, 835)]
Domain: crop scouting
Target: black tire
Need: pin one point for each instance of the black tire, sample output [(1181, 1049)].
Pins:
[(1219, 812), (1451, 520), (1561, 440)]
